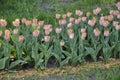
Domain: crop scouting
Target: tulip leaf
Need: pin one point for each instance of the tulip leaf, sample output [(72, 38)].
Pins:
[(15, 63), (64, 62), (3, 62)]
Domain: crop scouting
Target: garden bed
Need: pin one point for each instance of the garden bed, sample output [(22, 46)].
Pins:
[(51, 37), (87, 69)]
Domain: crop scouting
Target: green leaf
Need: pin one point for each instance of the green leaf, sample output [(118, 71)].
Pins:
[(15, 63), (98, 48), (27, 58), (3, 62), (90, 50), (66, 53), (74, 60), (41, 55), (64, 62), (56, 56), (34, 55), (38, 63)]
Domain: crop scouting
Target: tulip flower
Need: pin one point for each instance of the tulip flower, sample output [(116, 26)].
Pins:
[(83, 30), (15, 31), (16, 23), (36, 33), (62, 22), (69, 14), (3, 23), (58, 30), (41, 23), (83, 36), (97, 11), (7, 35), (21, 38), (62, 43), (106, 32), (96, 32), (46, 38), (58, 16)]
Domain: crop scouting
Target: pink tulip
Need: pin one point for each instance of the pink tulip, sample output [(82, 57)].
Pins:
[(78, 12), (83, 30), (28, 22), (110, 17), (36, 33), (88, 14), (118, 5), (46, 38), (24, 20), (115, 12), (77, 21), (62, 43), (15, 31), (117, 27), (7, 34), (47, 31), (62, 22), (102, 18), (84, 19), (119, 8), (92, 22), (115, 23), (97, 11), (69, 31), (16, 23), (41, 23), (58, 30), (111, 12), (69, 14), (35, 22), (69, 25), (21, 38), (3, 22), (118, 16), (71, 35), (58, 16), (7, 37), (106, 32), (71, 19), (48, 26), (83, 36), (96, 32), (105, 23)]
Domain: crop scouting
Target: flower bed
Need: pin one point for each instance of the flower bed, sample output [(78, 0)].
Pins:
[(68, 41)]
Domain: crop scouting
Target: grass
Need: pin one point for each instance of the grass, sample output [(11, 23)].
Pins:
[(44, 9), (85, 71)]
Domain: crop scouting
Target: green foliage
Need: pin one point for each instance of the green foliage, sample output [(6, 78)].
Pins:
[(3, 62), (78, 45)]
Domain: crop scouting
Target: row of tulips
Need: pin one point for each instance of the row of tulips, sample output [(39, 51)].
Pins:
[(70, 40)]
